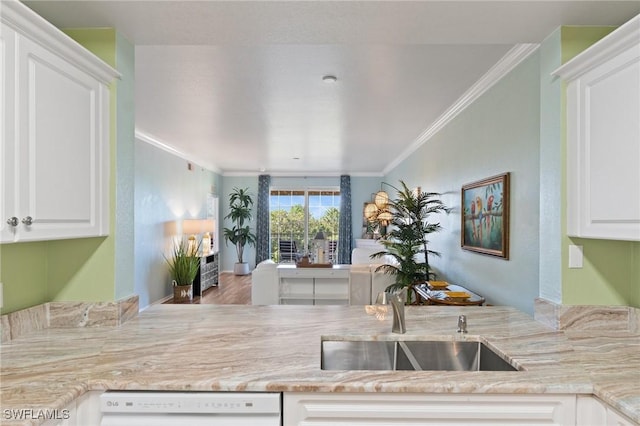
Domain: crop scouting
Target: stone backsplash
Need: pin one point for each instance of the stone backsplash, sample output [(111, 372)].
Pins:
[(67, 315)]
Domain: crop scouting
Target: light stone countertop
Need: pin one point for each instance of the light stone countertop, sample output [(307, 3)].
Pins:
[(277, 348)]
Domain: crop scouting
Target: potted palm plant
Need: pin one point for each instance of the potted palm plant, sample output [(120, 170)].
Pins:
[(183, 267), (240, 204), (407, 241)]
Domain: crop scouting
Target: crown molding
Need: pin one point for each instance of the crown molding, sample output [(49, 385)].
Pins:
[(506, 64), (624, 37), (302, 174), (28, 23), (152, 140)]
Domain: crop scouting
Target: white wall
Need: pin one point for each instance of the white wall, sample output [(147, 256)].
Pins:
[(165, 191), (498, 133)]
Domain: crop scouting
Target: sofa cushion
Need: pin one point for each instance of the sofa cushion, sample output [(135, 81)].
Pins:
[(362, 256), (268, 263)]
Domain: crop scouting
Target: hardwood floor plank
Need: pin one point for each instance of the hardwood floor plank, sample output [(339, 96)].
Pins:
[(231, 290)]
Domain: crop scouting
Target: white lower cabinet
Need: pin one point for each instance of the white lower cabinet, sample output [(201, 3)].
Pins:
[(320, 409), (84, 411), (592, 411)]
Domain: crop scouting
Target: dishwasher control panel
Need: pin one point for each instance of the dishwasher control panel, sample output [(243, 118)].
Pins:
[(190, 402)]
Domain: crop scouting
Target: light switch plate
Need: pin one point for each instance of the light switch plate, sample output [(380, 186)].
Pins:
[(575, 257)]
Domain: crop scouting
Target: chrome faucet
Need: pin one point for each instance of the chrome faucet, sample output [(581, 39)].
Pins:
[(462, 324), (398, 313)]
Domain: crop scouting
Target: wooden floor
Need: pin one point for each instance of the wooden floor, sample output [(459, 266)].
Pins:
[(231, 290)]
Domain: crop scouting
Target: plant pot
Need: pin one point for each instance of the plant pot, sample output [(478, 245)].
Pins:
[(183, 293), (241, 268)]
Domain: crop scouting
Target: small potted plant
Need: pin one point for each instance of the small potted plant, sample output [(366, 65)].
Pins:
[(240, 203), (183, 267)]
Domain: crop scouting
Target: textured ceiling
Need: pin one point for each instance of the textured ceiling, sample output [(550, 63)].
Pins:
[(237, 85)]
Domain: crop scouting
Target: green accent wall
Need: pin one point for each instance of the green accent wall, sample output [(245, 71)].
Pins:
[(611, 271), (24, 275), (77, 269)]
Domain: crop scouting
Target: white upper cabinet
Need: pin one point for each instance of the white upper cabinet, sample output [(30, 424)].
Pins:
[(55, 132), (603, 137)]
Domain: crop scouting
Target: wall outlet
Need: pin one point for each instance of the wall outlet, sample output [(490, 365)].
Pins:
[(575, 257)]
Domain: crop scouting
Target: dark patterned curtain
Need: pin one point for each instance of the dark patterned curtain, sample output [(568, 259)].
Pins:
[(345, 235), (262, 219)]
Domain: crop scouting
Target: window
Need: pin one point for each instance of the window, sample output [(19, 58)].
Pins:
[(298, 215)]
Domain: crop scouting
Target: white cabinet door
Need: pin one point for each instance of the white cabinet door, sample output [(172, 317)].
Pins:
[(7, 132), (592, 411), (427, 409), (62, 151), (55, 162), (603, 137)]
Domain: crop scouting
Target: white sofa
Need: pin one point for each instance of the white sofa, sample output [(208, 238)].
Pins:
[(364, 282), (265, 284)]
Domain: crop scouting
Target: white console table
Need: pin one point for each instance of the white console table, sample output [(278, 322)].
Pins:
[(313, 286)]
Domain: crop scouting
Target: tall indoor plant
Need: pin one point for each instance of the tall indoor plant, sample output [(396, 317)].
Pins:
[(407, 241), (183, 267), (240, 204)]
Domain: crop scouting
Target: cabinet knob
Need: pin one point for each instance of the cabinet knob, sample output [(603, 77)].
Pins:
[(13, 221), (27, 220)]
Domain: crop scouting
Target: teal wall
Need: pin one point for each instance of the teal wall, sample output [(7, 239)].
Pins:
[(166, 191), (362, 190), (498, 133), (80, 269), (551, 170), (125, 163)]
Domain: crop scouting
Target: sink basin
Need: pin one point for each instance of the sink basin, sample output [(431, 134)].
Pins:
[(410, 355)]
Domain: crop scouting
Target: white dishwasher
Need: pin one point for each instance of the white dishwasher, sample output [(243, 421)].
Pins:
[(145, 408)]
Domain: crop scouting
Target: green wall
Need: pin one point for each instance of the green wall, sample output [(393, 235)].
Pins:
[(78, 269), (611, 272), (24, 275)]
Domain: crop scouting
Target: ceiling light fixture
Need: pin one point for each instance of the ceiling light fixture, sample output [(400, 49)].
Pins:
[(329, 78)]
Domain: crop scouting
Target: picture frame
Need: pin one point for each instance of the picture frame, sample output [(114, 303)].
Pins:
[(485, 216)]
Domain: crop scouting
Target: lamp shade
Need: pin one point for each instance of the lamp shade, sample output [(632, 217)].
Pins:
[(370, 211), (385, 216), (381, 199), (197, 226)]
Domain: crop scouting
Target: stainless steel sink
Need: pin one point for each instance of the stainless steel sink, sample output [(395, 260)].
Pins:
[(410, 355)]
